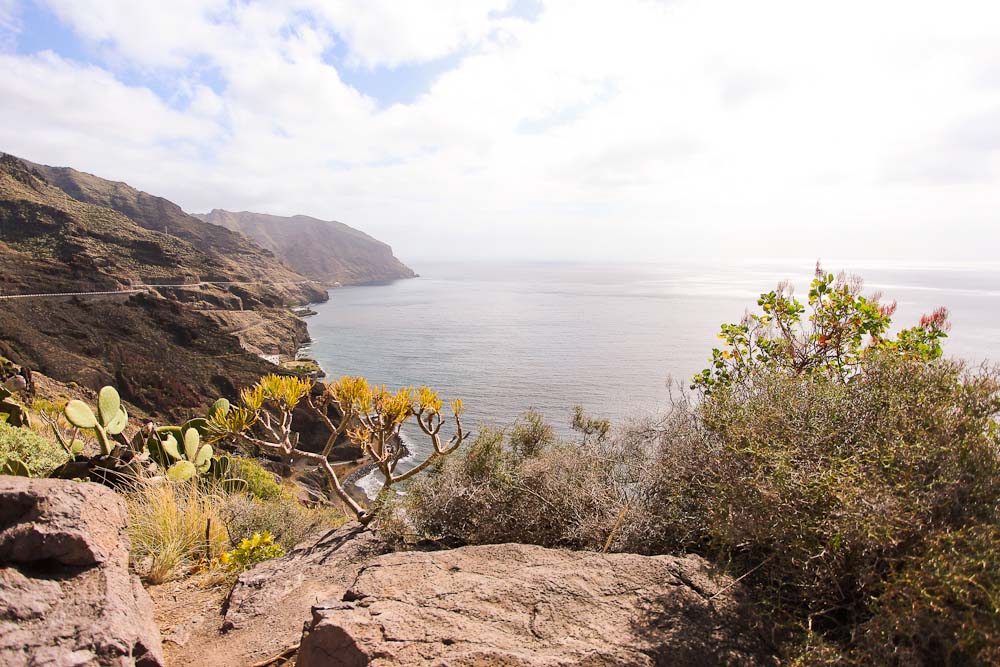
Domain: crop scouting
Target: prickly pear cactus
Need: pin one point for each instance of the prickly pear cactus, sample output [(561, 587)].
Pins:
[(182, 459), (218, 472), (111, 418)]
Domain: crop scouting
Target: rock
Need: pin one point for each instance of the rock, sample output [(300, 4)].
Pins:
[(66, 595), (16, 384), (321, 566), (265, 610), (524, 605)]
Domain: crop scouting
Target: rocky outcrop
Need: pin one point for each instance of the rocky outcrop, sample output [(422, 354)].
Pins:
[(266, 608), (66, 595), (506, 604), (516, 604), (309, 573), (324, 250)]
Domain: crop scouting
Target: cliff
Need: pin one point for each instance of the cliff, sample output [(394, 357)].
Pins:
[(233, 255), (167, 349), (324, 250)]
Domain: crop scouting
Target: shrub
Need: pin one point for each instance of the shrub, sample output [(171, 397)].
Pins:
[(282, 516), (172, 527), (943, 607), (251, 550), (677, 466), (518, 487), (39, 455), (530, 435), (835, 485), (261, 483), (842, 327)]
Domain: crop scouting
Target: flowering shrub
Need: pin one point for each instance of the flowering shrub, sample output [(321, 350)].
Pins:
[(251, 551), (842, 327)]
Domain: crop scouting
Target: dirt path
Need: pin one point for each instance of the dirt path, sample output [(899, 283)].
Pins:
[(189, 614)]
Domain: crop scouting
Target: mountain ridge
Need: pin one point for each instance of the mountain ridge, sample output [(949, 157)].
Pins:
[(168, 350), (325, 250)]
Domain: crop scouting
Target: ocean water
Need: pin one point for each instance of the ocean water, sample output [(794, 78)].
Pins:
[(613, 338)]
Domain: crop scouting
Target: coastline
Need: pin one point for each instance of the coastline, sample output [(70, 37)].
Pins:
[(350, 481)]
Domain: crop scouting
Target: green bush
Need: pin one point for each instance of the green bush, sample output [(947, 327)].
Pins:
[(943, 608), (829, 487), (261, 484), (40, 455), (257, 548), (518, 487), (283, 517)]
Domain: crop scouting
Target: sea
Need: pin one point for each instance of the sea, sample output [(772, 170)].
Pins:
[(614, 338)]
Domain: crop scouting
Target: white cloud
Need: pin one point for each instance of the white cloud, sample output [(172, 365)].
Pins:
[(389, 32), (10, 24), (626, 129)]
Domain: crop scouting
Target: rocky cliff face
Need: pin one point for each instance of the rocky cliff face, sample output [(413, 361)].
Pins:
[(169, 350), (323, 250), (232, 255)]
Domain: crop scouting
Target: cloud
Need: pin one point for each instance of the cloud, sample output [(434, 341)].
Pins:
[(588, 129), (10, 25), (968, 152), (390, 33)]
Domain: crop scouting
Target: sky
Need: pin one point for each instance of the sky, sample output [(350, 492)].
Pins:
[(526, 129)]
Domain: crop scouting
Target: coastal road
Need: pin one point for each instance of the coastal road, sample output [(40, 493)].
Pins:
[(146, 288)]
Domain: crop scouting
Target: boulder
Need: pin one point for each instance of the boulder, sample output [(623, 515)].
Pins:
[(523, 605), (321, 566), (66, 595), (267, 606)]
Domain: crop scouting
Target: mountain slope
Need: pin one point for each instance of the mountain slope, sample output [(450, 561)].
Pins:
[(232, 254), (167, 349), (323, 250)]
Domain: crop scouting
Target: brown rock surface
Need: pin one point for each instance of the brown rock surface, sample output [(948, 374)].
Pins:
[(171, 351), (66, 595), (265, 610), (515, 604)]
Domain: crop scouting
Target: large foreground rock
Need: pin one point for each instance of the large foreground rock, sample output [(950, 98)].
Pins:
[(267, 606), (66, 595), (516, 605)]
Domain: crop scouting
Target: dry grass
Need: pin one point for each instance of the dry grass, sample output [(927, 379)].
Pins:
[(284, 517), (173, 528)]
